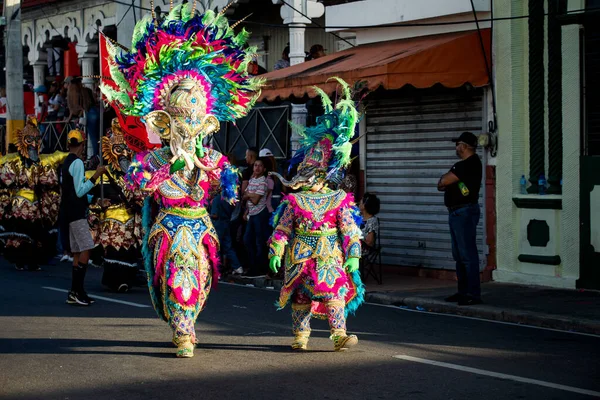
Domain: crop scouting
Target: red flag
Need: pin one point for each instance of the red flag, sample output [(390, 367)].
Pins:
[(134, 129)]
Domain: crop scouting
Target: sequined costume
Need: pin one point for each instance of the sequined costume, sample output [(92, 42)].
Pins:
[(184, 75), (116, 225), (316, 231), (30, 197)]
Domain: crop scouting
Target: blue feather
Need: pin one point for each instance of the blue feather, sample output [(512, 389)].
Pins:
[(229, 183)]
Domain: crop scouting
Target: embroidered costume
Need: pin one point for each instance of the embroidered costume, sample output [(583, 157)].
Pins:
[(29, 197), (117, 225), (184, 75), (316, 230)]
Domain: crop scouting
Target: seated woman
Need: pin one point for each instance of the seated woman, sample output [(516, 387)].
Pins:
[(369, 208)]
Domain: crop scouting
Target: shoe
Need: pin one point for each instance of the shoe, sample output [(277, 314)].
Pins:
[(185, 347), (300, 342), (344, 342), (455, 298), (75, 299), (469, 301), (64, 258), (88, 298), (238, 271), (123, 288), (34, 268), (19, 267)]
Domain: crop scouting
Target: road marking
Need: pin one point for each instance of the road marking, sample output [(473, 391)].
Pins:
[(129, 303), (260, 333), (499, 375), (482, 319)]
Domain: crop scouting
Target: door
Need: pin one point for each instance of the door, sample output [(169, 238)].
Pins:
[(408, 148)]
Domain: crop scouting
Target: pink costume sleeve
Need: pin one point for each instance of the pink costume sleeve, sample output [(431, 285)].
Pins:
[(349, 230), (282, 233)]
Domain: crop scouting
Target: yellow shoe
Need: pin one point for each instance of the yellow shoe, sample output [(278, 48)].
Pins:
[(344, 342), (300, 342), (185, 347)]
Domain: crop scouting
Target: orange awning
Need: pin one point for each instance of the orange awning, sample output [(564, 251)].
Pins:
[(450, 59)]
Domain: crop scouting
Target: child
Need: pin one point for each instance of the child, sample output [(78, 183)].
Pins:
[(257, 215)]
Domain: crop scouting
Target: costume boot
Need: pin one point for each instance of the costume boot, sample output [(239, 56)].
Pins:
[(337, 322), (300, 325), (185, 346)]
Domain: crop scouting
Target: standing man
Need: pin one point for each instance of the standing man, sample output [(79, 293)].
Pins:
[(74, 209), (461, 193)]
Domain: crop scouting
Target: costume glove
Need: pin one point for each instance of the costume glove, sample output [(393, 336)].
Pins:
[(351, 264), (275, 263)]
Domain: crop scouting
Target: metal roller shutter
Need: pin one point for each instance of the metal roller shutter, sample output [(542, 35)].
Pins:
[(408, 149)]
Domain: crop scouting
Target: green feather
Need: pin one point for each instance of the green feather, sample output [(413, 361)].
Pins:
[(345, 86), (241, 38), (115, 95), (209, 17), (327, 104), (186, 12), (139, 30)]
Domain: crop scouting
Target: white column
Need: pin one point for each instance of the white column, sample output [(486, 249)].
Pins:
[(297, 53), (297, 22), (39, 74), (87, 69), (297, 56)]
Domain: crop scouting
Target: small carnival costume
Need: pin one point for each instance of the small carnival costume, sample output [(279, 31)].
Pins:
[(29, 197), (316, 230), (117, 227), (184, 75)]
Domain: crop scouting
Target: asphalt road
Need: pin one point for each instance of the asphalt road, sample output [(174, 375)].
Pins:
[(111, 350)]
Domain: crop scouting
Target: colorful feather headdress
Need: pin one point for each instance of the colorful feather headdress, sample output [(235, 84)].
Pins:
[(183, 46), (326, 147)]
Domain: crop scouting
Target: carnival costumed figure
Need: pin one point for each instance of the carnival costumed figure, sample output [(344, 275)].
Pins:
[(115, 217), (30, 199), (184, 75), (316, 230)]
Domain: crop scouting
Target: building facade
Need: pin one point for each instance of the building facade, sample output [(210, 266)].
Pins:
[(547, 127)]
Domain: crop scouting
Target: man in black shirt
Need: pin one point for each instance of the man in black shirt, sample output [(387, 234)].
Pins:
[(461, 187)]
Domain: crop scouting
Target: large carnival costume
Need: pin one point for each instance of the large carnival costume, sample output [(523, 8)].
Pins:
[(29, 197), (316, 230), (184, 75), (116, 225)]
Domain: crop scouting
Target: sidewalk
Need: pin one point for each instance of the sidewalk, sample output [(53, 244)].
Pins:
[(570, 310)]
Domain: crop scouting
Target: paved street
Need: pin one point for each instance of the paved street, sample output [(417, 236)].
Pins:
[(112, 350)]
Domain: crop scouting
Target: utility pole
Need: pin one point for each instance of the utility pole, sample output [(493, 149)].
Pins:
[(15, 110)]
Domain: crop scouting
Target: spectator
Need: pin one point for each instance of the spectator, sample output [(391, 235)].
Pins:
[(461, 187), (369, 208), (41, 102), (284, 62), (316, 51), (84, 109), (274, 192), (56, 103), (257, 217), (220, 213), (251, 156), (28, 100), (74, 209)]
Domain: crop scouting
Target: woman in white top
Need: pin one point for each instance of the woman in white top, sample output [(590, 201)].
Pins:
[(369, 208)]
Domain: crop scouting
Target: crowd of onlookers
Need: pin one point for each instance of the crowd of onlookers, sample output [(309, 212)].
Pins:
[(60, 102), (316, 51), (244, 229)]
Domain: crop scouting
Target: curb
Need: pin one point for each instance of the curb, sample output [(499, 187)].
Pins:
[(489, 312)]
